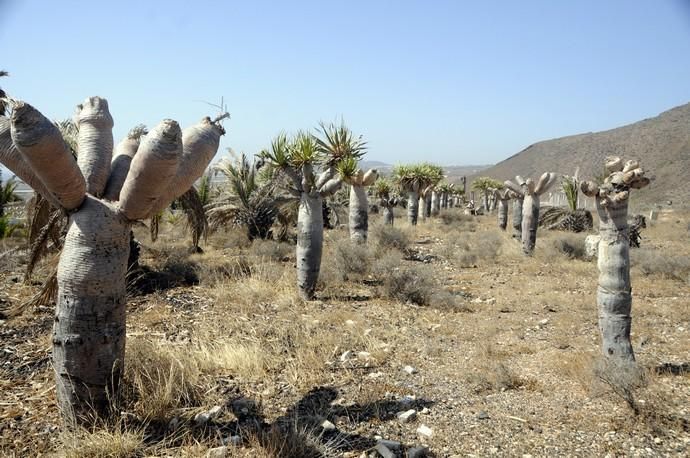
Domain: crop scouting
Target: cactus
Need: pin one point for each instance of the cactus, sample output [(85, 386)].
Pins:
[(530, 206), (614, 296)]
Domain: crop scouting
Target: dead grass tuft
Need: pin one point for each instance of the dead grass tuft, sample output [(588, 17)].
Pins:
[(664, 264), (161, 377), (481, 247), (391, 237), (102, 443)]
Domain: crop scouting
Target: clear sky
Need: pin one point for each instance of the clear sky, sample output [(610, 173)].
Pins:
[(454, 82)]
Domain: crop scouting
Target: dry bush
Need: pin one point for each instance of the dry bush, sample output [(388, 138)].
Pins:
[(572, 246), (624, 378), (410, 284), (492, 372), (456, 217), (467, 251), (271, 250), (391, 237), (664, 264), (352, 261), (102, 443)]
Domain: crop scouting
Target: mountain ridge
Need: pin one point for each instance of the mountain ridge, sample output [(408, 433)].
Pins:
[(661, 144)]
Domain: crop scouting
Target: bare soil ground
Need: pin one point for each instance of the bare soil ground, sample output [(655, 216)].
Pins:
[(502, 354)]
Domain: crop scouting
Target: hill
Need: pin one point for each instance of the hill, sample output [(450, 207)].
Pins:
[(662, 144)]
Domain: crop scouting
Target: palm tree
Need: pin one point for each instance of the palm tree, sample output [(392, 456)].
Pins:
[(414, 180), (337, 141), (486, 186), (247, 201), (7, 194), (296, 159), (384, 191), (89, 328)]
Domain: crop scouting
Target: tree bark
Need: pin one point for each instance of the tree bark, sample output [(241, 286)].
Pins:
[(502, 213), (89, 327), (359, 215), (427, 205), (530, 222), (517, 217), (309, 244), (435, 203), (412, 207), (614, 291), (388, 216)]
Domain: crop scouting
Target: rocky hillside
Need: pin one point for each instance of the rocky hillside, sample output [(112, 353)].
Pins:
[(661, 143)]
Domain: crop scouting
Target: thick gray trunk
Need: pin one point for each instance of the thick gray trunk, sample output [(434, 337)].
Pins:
[(412, 207), (435, 204), (427, 205), (486, 201), (309, 244), (359, 216), (517, 218), (388, 216), (89, 327), (502, 213), (614, 292), (530, 221)]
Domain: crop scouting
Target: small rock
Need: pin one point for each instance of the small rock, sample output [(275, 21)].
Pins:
[(328, 426), (375, 374), (345, 356), (391, 445), (425, 411), (350, 323), (657, 440), (218, 452), (232, 440), (384, 451), (425, 431), (410, 370), (204, 417), (482, 415), (408, 400), (417, 452), (407, 416), (543, 322), (363, 355)]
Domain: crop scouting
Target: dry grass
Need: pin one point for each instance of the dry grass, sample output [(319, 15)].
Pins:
[(103, 443), (527, 355)]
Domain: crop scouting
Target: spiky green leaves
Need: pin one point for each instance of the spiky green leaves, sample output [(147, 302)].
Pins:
[(484, 184), (414, 177), (337, 142)]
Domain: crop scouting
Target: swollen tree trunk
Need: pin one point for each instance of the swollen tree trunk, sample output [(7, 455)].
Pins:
[(435, 203), (388, 216), (309, 244), (359, 215), (427, 205), (412, 207), (89, 327), (614, 292), (614, 296), (530, 222), (502, 213), (517, 217)]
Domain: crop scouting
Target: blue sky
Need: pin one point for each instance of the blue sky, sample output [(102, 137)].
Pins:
[(454, 82)]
